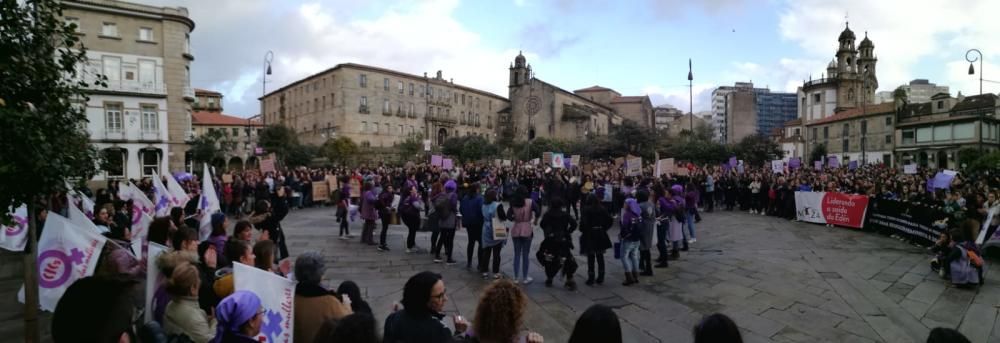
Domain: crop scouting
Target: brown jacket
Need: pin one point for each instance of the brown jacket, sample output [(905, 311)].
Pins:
[(314, 306)]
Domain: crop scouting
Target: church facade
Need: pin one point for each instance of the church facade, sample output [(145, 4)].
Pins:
[(541, 109)]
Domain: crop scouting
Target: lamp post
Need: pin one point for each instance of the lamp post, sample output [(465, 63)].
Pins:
[(972, 71), (691, 98), (263, 84)]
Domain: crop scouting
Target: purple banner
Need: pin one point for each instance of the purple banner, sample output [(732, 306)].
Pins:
[(852, 165), (818, 165), (733, 162), (942, 180), (833, 162), (794, 163)]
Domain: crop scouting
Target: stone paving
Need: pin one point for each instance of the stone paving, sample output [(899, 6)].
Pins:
[(780, 281)]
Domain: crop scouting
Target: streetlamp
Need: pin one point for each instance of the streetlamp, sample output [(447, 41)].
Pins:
[(972, 70), (263, 83), (691, 97)]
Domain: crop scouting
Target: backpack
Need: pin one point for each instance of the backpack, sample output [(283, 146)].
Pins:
[(442, 206)]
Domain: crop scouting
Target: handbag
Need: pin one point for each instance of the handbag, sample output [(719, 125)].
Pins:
[(500, 231)]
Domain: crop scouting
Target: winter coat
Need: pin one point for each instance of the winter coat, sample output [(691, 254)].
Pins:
[(594, 225), (401, 327), (314, 305), (558, 227), (488, 212), (472, 211), (183, 316), (368, 211), (522, 217)]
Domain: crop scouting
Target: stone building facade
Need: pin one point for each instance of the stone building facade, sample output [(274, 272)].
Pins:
[(863, 134), (142, 120), (377, 107), (635, 108), (239, 134), (540, 109), (930, 134)]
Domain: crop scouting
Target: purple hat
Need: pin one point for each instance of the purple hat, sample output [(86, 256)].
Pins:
[(234, 311), (677, 189), (450, 186)]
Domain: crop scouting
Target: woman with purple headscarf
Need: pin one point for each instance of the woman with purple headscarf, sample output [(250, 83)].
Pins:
[(629, 235), (239, 318)]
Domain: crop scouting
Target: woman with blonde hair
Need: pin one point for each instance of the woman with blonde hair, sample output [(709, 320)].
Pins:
[(183, 315), (500, 315)]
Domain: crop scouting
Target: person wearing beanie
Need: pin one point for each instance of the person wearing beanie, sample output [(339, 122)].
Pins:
[(239, 318)]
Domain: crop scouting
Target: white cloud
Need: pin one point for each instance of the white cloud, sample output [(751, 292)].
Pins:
[(680, 97), (906, 34)]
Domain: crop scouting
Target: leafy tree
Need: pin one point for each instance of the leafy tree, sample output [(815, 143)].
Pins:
[(278, 139), (411, 147), (968, 156), (301, 155), (469, 148), (631, 138), (818, 153), (988, 162), (758, 149), (211, 146), (899, 95), (339, 150), (41, 118)]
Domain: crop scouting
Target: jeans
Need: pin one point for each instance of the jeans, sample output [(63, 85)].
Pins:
[(475, 231), (447, 240), (385, 228), (344, 231), (661, 239), (690, 222), (522, 246), (411, 236), (630, 256), (485, 255)]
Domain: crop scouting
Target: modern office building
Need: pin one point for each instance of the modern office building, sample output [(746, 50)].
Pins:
[(917, 91), (748, 111)]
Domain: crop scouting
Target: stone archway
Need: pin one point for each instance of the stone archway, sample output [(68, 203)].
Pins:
[(442, 135), (235, 164)]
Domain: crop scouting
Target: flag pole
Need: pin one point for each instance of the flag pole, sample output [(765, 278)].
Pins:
[(31, 305)]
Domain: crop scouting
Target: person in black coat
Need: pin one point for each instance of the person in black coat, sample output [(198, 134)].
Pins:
[(555, 253), (268, 218), (594, 240)]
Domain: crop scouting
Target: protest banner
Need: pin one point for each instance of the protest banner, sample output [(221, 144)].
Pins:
[(447, 164), (993, 240), (267, 165), (547, 158), (427, 145), (833, 162), (852, 165), (227, 178), (777, 166), (682, 171), (355, 186), (178, 197), (942, 180), (506, 163), (577, 160), (66, 253), (794, 163), (818, 165), (320, 191), (436, 160), (209, 204), (535, 161), (633, 167), (910, 169), (14, 237), (906, 219), (557, 161), (155, 281), (277, 295), (831, 208)]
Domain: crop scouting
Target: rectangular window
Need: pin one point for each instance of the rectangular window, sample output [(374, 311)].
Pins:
[(112, 67), (363, 107), (815, 134), (315, 105), (363, 81), (846, 131), (864, 127), (109, 29), (385, 107), (412, 109), (236, 132), (411, 88), (888, 139), (816, 98), (146, 34), (908, 136), (399, 84), (364, 127), (115, 159), (388, 129), (324, 102), (845, 146), (826, 132), (385, 85), (797, 132), (463, 99), (940, 104), (965, 131), (375, 128), (113, 117), (888, 121), (942, 133), (150, 120), (925, 134), (147, 74)]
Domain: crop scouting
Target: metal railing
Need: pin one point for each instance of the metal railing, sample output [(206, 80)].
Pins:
[(128, 86)]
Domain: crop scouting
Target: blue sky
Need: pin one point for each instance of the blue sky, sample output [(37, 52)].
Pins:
[(635, 47)]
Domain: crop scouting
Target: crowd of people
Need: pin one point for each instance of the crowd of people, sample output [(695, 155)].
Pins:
[(493, 204)]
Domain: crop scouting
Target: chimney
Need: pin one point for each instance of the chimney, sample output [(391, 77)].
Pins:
[(451, 80), (439, 75), (425, 74)]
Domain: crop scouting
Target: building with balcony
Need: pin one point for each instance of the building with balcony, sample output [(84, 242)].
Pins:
[(239, 138), (930, 134), (378, 107), (664, 115), (863, 134), (141, 119), (635, 108)]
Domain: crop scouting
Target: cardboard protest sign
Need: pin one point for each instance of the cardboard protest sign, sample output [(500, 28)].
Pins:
[(267, 165), (777, 166), (633, 167), (910, 169), (557, 160), (436, 160), (227, 178), (320, 191), (547, 158), (446, 164), (355, 185)]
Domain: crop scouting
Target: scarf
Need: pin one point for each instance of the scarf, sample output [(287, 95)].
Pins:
[(234, 311)]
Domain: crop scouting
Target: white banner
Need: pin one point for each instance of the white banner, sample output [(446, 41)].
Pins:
[(178, 196), (777, 166), (277, 296), (910, 169), (154, 279), (809, 207), (81, 220), (66, 253), (209, 204), (140, 202), (161, 198), (986, 224), (140, 232), (14, 237), (557, 161)]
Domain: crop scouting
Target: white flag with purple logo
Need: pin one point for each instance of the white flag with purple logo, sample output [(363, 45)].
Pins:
[(140, 232), (178, 197), (140, 202), (66, 253), (161, 198), (82, 220), (14, 237), (276, 297), (208, 204), (154, 279)]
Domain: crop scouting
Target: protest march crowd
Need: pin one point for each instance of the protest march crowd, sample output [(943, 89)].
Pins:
[(189, 259)]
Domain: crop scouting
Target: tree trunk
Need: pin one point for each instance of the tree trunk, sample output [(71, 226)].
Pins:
[(31, 333)]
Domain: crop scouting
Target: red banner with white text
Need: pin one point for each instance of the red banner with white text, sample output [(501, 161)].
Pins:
[(831, 208)]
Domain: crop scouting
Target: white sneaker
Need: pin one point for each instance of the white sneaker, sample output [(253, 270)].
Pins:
[(753, 212), (517, 281), (344, 238), (691, 241), (497, 276), (527, 280), (410, 251)]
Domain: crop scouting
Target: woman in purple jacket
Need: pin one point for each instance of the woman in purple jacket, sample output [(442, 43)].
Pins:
[(368, 213), (691, 204)]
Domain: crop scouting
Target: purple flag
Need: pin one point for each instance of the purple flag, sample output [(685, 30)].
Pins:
[(794, 163), (942, 180), (833, 162), (852, 165), (818, 165), (732, 161)]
